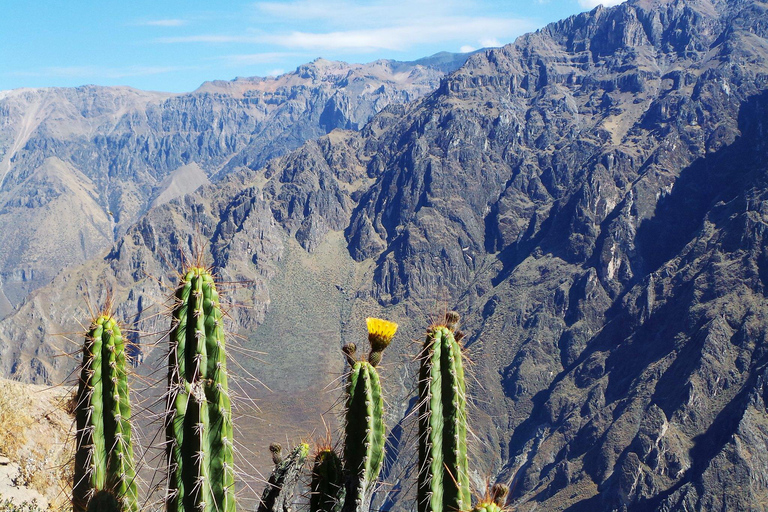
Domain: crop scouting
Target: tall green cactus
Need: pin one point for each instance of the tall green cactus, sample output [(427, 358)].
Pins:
[(364, 426), (364, 436), (326, 490), (443, 480), (281, 487), (104, 458), (199, 425)]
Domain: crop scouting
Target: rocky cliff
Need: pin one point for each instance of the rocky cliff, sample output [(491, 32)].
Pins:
[(591, 198), (105, 155)]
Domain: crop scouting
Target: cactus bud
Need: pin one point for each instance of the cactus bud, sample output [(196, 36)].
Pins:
[(349, 351), (277, 450), (375, 358), (499, 493), (452, 320)]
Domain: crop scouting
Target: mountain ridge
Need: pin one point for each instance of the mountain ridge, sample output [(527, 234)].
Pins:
[(125, 142), (590, 198)]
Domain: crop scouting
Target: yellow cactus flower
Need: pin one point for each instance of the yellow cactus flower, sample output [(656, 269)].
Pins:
[(380, 333)]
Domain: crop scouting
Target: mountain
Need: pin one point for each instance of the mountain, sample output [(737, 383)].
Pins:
[(590, 198), (105, 155)]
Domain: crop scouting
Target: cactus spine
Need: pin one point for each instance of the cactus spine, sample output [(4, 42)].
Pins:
[(104, 457), (443, 480), (327, 484), (199, 425), (281, 487)]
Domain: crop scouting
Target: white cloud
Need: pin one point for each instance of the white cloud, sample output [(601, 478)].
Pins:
[(346, 12), (467, 49), (356, 40), (490, 42), (165, 23), (275, 72), (405, 36), (488, 31), (352, 26), (591, 4)]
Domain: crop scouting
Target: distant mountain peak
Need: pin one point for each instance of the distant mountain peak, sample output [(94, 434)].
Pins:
[(141, 148)]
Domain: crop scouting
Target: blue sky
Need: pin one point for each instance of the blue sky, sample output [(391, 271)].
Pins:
[(175, 45)]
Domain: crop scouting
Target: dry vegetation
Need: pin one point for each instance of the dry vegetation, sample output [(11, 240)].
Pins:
[(34, 437)]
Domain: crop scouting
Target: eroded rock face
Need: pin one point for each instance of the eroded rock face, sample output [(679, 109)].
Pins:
[(105, 155), (591, 198)]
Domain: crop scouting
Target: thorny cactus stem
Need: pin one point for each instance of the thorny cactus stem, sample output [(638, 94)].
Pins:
[(364, 429), (364, 436), (281, 487), (327, 484), (104, 454), (443, 480), (199, 425)]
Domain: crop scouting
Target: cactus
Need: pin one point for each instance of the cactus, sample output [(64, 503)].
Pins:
[(327, 485), (494, 500), (364, 436), (103, 501), (104, 467), (443, 480), (281, 488), (487, 507), (364, 429), (199, 421)]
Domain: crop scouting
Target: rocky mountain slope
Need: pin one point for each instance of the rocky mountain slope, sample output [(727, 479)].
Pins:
[(591, 198), (104, 155)]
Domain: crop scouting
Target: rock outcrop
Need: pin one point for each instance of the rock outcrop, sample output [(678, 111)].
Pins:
[(105, 155)]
